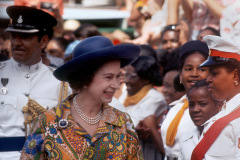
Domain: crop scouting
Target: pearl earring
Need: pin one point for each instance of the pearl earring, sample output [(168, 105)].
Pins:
[(235, 83)]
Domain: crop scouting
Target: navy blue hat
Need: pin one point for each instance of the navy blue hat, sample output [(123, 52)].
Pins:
[(193, 46), (29, 20), (97, 49)]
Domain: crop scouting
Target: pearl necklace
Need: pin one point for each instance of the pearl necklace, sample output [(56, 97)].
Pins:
[(87, 119)]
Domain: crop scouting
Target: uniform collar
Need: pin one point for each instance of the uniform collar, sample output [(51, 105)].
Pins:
[(194, 134), (28, 69), (181, 100), (233, 104), (227, 108)]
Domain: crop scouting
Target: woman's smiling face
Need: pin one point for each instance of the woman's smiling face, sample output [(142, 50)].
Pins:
[(133, 82), (190, 72)]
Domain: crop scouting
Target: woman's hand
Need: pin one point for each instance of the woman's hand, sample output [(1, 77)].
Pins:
[(142, 131), (183, 30)]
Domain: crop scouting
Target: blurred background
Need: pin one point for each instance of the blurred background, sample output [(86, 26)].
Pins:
[(107, 15)]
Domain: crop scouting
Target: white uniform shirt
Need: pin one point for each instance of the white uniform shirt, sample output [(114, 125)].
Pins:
[(227, 144), (38, 82), (118, 105), (152, 103), (188, 142), (185, 125)]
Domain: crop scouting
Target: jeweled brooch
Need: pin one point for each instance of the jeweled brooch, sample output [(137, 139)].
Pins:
[(63, 123)]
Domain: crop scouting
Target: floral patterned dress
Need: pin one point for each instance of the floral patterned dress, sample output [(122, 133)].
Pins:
[(56, 135)]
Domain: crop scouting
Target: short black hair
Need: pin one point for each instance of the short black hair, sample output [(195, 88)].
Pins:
[(230, 65), (148, 51), (216, 32), (197, 85), (171, 27), (148, 68), (62, 42), (169, 61), (86, 30), (177, 85), (48, 32)]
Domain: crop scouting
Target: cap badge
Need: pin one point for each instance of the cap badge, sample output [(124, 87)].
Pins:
[(20, 20)]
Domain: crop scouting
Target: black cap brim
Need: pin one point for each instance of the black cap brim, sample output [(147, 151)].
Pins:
[(214, 61)]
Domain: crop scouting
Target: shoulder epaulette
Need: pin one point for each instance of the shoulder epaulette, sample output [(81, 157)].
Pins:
[(2, 64), (52, 68)]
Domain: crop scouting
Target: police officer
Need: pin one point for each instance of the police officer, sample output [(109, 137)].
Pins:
[(221, 133), (27, 86)]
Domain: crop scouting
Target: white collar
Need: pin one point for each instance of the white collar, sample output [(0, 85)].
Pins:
[(232, 104), (27, 69), (178, 101)]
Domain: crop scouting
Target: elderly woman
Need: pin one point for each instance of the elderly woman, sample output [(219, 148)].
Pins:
[(83, 126), (221, 138), (141, 99)]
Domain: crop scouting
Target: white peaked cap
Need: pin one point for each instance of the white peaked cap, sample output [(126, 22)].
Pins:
[(221, 44), (222, 50)]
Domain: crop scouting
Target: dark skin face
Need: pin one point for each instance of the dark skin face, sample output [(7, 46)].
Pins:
[(168, 87), (54, 49), (204, 33), (170, 41), (201, 106), (26, 48), (6, 48), (133, 82), (221, 83), (190, 72)]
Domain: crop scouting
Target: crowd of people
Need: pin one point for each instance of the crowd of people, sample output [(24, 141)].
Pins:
[(171, 92)]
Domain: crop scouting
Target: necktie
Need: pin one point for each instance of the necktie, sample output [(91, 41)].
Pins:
[(173, 127)]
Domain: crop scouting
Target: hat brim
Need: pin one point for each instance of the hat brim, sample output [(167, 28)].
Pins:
[(11, 29), (126, 53), (211, 61)]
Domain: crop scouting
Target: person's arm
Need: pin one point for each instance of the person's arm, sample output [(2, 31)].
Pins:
[(157, 139), (173, 11), (34, 145), (58, 29), (188, 9), (184, 33), (135, 15), (142, 131), (129, 4), (151, 123), (214, 8)]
